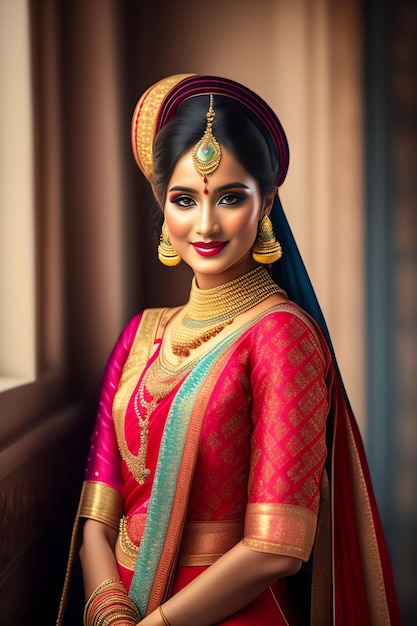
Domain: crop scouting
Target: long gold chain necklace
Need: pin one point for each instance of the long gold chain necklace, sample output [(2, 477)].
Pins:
[(210, 310), (143, 410), (155, 384)]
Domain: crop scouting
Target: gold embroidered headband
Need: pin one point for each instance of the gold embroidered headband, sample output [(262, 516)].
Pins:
[(145, 119), (159, 103)]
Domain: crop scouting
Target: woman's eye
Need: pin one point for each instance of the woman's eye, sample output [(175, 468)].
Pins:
[(230, 199), (184, 201)]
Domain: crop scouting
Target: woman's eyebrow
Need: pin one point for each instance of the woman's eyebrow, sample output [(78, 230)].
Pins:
[(186, 189), (231, 186), (234, 185)]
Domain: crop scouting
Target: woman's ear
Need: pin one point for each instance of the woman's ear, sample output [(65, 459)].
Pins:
[(268, 202)]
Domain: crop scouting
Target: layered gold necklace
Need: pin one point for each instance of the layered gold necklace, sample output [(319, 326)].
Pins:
[(209, 311)]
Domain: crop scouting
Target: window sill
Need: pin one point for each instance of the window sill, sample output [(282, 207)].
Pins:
[(8, 382)]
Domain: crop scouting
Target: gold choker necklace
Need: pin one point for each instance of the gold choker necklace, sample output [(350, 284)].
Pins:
[(211, 310)]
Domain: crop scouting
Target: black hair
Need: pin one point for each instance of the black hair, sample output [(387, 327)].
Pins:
[(234, 127)]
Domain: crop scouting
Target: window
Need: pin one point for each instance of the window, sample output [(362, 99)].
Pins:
[(17, 233), (32, 357)]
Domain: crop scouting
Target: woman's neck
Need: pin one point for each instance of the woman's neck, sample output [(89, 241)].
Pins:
[(210, 281)]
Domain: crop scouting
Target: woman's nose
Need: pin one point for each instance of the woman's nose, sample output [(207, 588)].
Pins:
[(207, 221)]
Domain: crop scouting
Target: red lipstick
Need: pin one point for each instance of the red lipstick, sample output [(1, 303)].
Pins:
[(209, 248)]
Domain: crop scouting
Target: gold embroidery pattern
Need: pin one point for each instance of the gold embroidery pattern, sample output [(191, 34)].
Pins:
[(129, 538), (280, 529), (225, 443), (289, 443), (134, 365), (155, 384), (102, 503), (219, 493), (130, 549), (204, 542), (145, 118), (374, 576)]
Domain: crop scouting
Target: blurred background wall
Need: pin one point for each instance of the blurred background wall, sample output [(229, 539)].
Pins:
[(341, 75)]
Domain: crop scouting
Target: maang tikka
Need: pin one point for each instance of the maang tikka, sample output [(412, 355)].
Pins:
[(207, 152)]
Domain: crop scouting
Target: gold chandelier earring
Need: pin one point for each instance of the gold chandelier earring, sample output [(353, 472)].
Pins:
[(266, 248), (166, 253)]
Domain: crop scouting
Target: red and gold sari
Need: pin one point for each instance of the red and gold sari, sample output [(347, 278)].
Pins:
[(254, 442)]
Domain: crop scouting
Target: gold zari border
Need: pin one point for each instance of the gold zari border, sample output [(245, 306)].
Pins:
[(283, 529), (145, 118), (371, 558), (202, 543), (205, 542), (102, 503)]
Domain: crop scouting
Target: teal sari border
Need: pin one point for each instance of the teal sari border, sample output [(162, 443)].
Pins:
[(166, 475)]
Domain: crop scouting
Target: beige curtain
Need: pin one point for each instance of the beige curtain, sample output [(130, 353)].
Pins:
[(304, 57)]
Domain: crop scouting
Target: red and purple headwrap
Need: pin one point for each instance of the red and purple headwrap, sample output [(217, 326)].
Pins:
[(160, 102)]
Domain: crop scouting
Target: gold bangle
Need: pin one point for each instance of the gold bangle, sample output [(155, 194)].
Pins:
[(96, 592), (109, 601), (164, 619), (115, 617)]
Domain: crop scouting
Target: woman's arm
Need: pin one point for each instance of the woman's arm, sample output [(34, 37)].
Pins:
[(97, 557), (228, 585), (106, 598), (103, 467)]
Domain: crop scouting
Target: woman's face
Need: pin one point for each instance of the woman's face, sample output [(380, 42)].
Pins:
[(214, 232)]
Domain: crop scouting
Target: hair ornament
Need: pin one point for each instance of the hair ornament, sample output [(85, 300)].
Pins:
[(207, 152), (160, 102)]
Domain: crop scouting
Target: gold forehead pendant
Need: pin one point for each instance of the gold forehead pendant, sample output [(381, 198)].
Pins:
[(207, 152)]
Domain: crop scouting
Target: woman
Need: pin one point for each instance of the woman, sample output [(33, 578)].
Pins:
[(227, 482)]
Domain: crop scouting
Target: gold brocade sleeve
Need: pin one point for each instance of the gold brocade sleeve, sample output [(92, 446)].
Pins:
[(283, 529), (102, 503)]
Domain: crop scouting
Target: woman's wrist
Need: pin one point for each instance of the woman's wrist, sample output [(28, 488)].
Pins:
[(163, 616), (109, 605)]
